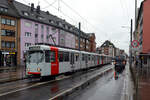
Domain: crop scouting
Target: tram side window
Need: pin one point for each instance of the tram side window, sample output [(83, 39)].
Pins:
[(82, 57), (52, 56), (47, 56), (77, 56), (60, 56), (92, 58), (89, 57), (66, 56)]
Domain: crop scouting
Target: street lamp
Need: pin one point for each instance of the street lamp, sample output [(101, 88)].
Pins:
[(130, 49)]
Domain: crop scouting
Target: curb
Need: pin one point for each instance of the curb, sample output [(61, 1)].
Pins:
[(11, 80), (22, 78), (80, 86)]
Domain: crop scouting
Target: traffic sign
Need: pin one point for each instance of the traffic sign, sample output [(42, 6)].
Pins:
[(135, 44)]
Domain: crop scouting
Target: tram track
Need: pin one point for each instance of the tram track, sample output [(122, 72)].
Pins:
[(26, 84)]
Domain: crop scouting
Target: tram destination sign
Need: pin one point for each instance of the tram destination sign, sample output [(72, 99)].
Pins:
[(34, 48)]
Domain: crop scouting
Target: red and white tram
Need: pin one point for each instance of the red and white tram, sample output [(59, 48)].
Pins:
[(44, 60)]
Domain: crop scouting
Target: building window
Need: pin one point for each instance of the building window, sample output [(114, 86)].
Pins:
[(6, 44), (27, 34), (6, 10), (26, 13), (3, 32), (40, 18), (36, 26), (53, 30), (3, 44), (36, 35), (3, 21), (12, 45), (27, 44), (12, 22), (7, 33), (28, 24), (8, 21), (2, 9), (47, 31)]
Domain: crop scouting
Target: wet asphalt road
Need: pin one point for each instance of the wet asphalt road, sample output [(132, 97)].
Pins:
[(105, 88), (47, 90)]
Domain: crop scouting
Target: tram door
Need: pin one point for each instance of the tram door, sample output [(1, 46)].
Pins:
[(72, 61), (54, 61)]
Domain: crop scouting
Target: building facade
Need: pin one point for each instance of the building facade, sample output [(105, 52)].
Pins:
[(142, 32), (22, 26), (92, 42), (107, 48), (9, 34)]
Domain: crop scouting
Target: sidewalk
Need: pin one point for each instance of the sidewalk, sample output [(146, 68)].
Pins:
[(142, 83), (128, 91), (11, 73)]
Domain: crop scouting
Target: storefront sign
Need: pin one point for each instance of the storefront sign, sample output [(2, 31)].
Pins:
[(12, 53), (5, 52)]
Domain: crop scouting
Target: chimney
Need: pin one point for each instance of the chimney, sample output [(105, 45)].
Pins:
[(32, 6), (38, 9), (47, 12), (10, 1)]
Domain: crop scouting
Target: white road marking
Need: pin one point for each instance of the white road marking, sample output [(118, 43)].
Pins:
[(70, 89)]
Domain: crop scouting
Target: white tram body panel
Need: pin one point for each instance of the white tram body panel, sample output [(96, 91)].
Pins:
[(43, 60)]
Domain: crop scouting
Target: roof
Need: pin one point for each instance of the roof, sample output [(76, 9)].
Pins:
[(11, 9), (107, 43), (46, 18)]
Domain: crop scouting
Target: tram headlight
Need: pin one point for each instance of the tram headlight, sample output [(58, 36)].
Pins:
[(38, 69), (28, 69)]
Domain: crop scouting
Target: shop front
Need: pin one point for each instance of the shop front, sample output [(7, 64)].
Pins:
[(8, 59)]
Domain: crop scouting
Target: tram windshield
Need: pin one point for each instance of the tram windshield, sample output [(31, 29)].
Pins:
[(35, 56)]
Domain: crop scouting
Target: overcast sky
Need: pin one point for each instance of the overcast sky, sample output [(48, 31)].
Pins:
[(105, 18)]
